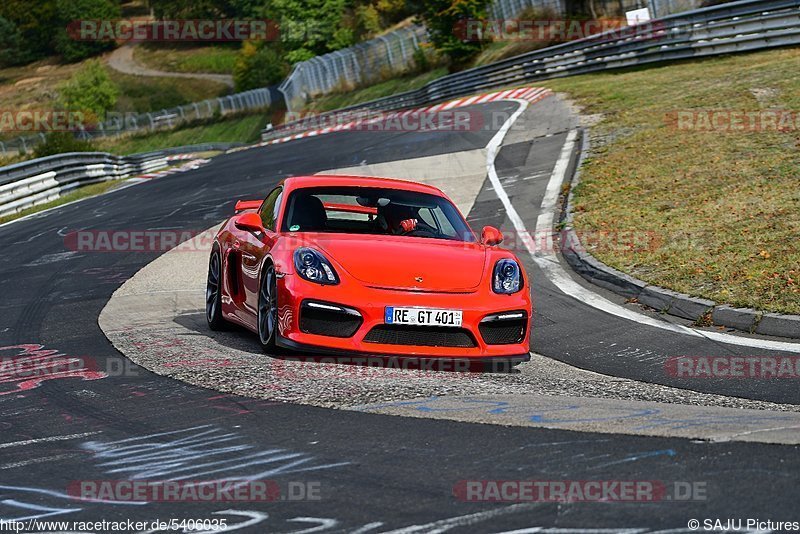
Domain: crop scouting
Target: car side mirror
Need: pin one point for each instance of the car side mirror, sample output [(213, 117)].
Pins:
[(249, 222), (491, 236)]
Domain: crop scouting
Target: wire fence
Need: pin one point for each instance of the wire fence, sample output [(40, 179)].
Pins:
[(662, 8), (392, 53), (118, 124), (344, 69), (733, 27), (506, 9)]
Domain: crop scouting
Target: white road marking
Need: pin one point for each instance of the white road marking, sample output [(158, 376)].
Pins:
[(32, 461), (548, 262), (46, 440)]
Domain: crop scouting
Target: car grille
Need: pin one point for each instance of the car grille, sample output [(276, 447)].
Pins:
[(496, 331), (421, 336), (328, 322)]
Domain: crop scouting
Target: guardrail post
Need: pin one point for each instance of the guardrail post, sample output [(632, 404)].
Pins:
[(24, 145), (403, 52), (152, 124), (385, 41), (3, 147), (221, 106)]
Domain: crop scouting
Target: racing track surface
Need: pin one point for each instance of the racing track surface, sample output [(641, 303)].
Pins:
[(377, 473)]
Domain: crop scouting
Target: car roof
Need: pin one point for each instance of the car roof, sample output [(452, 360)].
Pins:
[(331, 180)]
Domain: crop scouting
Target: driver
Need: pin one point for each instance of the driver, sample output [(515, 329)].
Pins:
[(397, 219)]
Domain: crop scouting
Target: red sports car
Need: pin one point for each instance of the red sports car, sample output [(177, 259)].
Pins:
[(350, 265)]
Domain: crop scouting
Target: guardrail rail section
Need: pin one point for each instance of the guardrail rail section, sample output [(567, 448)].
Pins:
[(38, 181), (741, 26)]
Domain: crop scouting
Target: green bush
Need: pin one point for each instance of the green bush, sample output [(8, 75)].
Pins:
[(90, 90), (258, 65), (60, 142)]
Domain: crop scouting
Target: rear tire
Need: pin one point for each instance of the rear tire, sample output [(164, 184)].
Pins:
[(214, 292), (268, 309)]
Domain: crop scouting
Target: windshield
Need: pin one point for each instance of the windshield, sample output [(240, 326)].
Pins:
[(374, 211)]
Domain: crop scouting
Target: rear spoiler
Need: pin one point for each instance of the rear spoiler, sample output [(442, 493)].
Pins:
[(243, 205), (350, 208)]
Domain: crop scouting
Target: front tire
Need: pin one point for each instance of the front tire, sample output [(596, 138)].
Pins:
[(268, 309), (214, 292)]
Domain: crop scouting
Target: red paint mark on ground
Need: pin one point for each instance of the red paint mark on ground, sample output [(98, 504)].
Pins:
[(32, 365), (201, 363)]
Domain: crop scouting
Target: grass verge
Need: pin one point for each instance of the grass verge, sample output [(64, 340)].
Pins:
[(379, 90), (243, 129), (213, 59), (139, 93), (723, 206)]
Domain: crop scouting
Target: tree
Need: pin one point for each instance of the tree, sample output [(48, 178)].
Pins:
[(68, 12), (258, 65), (443, 17), (310, 27), (90, 91), (34, 22), (12, 48), (368, 21)]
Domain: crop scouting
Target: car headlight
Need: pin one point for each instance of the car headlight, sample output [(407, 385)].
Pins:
[(506, 278), (312, 265)]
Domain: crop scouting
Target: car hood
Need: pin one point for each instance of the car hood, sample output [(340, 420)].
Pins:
[(398, 262)]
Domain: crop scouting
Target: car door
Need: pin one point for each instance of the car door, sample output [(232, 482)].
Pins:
[(254, 246)]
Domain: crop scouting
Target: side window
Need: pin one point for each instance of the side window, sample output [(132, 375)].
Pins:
[(427, 217), (270, 207)]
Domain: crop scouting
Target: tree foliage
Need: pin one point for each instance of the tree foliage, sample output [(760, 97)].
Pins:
[(69, 11), (442, 17), (41, 26), (258, 65), (12, 46)]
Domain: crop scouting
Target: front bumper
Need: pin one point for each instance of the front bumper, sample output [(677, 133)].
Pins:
[(370, 304)]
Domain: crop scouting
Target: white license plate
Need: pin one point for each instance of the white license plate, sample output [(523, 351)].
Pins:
[(422, 316)]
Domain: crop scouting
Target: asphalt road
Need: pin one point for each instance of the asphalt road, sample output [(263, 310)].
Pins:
[(375, 473)]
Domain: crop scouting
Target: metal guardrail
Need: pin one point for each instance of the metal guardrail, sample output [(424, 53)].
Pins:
[(723, 29), (127, 123), (42, 180), (30, 183)]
